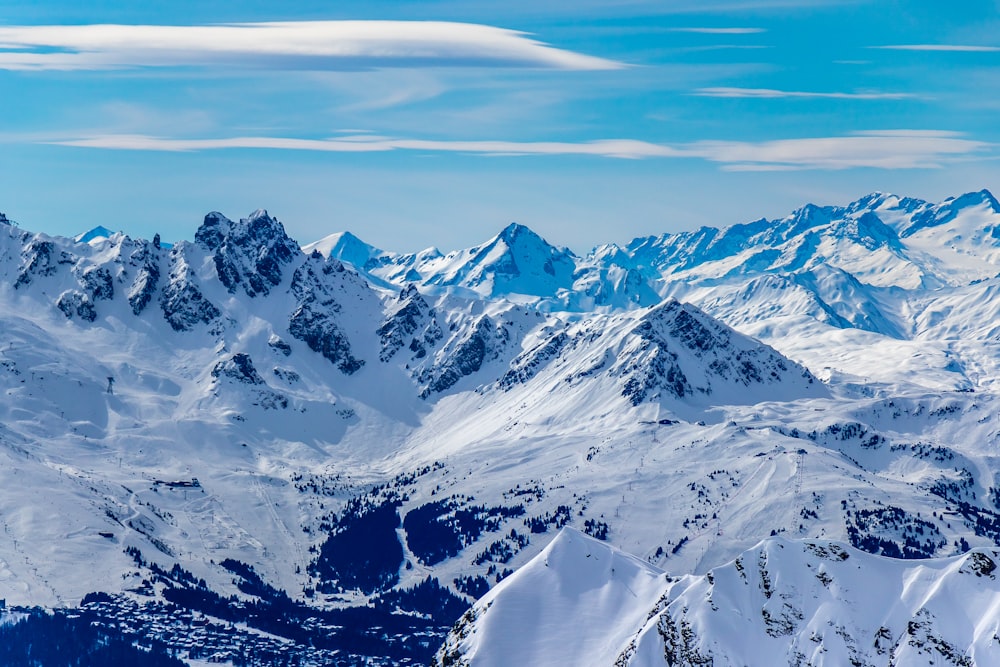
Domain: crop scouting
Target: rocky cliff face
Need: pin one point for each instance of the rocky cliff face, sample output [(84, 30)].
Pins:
[(251, 253)]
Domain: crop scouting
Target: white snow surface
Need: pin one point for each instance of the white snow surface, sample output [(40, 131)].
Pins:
[(576, 603), (816, 602)]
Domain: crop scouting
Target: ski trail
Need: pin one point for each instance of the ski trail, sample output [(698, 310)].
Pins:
[(714, 528), (265, 498), (40, 580)]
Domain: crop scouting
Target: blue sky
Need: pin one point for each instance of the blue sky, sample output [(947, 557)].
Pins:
[(439, 122)]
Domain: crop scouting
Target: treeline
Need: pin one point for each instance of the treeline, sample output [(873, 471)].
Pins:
[(60, 640)]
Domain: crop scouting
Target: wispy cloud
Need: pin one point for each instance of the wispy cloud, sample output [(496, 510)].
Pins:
[(769, 93), (315, 45), (962, 48), (370, 143), (721, 31), (885, 149)]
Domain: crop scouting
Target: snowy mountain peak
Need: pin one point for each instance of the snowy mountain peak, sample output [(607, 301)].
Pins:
[(212, 230), (981, 204), (97, 233), (259, 214), (612, 254), (884, 201), (515, 261), (252, 433), (250, 252), (882, 240), (345, 247), (802, 220), (868, 230), (525, 241), (678, 351), (982, 197), (511, 232)]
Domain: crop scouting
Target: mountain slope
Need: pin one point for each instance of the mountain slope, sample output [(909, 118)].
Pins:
[(575, 603), (866, 275), (781, 602)]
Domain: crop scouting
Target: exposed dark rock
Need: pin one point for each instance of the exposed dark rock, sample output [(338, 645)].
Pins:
[(73, 303), (464, 359), (286, 375), (690, 330), (278, 345), (182, 302), (271, 400), (659, 371), (97, 281), (314, 322), (410, 318), (238, 367), (527, 364), (672, 329), (40, 259), (320, 332), (250, 252), (147, 278), (981, 564), (212, 231)]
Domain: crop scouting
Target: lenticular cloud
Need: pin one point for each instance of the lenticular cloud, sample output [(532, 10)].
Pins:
[(329, 45)]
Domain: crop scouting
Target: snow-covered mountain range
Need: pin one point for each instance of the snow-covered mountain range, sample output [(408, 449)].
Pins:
[(330, 452), (900, 268)]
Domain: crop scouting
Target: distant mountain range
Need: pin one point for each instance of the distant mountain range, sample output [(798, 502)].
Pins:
[(881, 240), (328, 453)]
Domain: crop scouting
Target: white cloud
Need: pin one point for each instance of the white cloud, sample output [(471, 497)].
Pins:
[(721, 31), (891, 149), (370, 143), (883, 149), (940, 134), (966, 48), (316, 45), (768, 93)]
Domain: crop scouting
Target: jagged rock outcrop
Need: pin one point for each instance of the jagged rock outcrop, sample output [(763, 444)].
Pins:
[(182, 302), (411, 322), (145, 261), (278, 345), (97, 282), (527, 364), (41, 258), (314, 320), (250, 253), (239, 368), (463, 356), (651, 364), (72, 302)]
